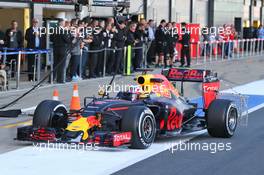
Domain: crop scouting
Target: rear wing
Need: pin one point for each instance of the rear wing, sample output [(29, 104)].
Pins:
[(209, 80), (188, 75)]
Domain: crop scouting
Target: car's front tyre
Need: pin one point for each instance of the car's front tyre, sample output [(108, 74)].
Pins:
[(141, 122), (50, 114)]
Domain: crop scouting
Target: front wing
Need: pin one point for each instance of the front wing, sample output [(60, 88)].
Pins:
[(101, 138)]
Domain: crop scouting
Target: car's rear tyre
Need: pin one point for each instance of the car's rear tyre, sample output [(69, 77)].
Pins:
[(222, 118), (50, 114), (141, 122)]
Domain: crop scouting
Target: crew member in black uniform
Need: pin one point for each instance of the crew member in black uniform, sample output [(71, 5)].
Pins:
[(171, 37), (185, 42), (172, 43), (119, 39), (62, 42), (131, 41), (160, 41), (140, 38), (95, 46), (108, 43)]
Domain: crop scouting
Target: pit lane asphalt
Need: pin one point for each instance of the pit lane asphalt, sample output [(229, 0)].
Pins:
[(234, 73), (246, 156)]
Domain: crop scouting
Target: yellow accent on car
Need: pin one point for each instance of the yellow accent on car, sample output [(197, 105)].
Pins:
[(80, 125)]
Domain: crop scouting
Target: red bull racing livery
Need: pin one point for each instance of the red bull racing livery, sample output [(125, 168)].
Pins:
[(136, 117)]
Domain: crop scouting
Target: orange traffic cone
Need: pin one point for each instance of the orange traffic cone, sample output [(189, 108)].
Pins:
[(75, 101), (55, 95)]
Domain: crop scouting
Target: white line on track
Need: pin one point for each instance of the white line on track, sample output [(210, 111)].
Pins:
[(25, 110), (256, 108), (44, 161), (253, 88)]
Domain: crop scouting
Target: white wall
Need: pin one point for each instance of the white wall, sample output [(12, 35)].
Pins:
[(227, 10), (102, 11), (158, 10), (181, 12), (200, 14)]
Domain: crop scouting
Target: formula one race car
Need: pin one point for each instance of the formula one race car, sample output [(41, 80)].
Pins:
[(153, 108)]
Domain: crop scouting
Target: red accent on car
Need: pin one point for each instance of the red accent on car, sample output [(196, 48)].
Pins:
[(43, 134), (94, 121), (117, 109), (210, 91), (193, 75), (122, 138), (174, 120)]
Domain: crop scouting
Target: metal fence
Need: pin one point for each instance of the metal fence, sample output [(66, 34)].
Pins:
[(204, 52), (15, 63), (127, 57), (201, 53)]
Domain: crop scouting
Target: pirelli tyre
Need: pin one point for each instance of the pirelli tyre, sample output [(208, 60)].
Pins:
[(222, 118), (141, 122), (50, 114)]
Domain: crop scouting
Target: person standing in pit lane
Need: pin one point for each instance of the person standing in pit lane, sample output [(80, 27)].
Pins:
[(140, 38), (185, 42), (100, 68), (131, 41), (160, 41), (95, 45), (85, 49), (76, 55), (175, 40), (34, 41), (109, 45), (119, 39), (62, 42), (152, 43), (170, 44), (13, 40)]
